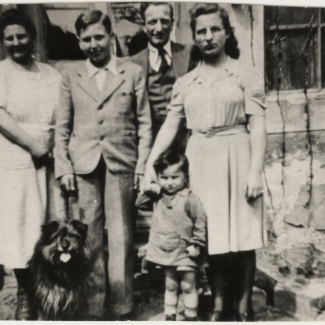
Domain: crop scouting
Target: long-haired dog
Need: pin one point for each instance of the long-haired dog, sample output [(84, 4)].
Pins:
[(59, 271)]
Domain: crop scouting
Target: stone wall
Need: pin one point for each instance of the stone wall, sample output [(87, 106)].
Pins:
[(294, 167)]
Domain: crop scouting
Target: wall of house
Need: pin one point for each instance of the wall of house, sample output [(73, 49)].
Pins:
[(300, 199), (288, 160), (289, 166)]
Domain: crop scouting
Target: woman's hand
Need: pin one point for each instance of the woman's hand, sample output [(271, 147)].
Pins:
[(254, 187), (39, 148), (155, 188), (149, 177), (12, 131)]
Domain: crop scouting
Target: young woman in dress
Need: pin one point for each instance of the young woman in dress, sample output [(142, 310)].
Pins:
[(221, 100), (29, 91)]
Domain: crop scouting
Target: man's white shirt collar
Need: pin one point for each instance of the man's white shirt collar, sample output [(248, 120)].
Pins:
[(155, 59), (111, 66)]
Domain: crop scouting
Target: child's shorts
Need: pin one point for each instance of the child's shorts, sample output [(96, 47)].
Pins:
[(186, 268), (180, 268)]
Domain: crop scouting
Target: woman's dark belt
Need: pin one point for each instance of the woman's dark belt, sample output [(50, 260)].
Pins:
[(219, 131)]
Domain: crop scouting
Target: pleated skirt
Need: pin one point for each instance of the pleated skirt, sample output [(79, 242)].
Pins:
[(219, 167)]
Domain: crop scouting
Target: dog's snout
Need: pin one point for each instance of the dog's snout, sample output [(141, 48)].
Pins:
[(65, 244)]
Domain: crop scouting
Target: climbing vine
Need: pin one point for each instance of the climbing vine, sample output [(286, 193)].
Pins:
[(309, 145), (268, 189), (304, 56), (250, 9), (278, 44)]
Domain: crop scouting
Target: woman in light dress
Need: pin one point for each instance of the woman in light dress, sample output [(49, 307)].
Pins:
[(220, 99), (29, 92)]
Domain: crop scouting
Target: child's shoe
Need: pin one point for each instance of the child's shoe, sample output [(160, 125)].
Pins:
[(190, 319), (215, 316), (171, 317), (245, 317)]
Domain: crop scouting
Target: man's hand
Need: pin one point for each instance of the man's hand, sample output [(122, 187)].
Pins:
[(193, 251), (68, 182)]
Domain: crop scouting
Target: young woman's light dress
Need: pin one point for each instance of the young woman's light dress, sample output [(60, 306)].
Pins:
[(30, 98), (219, 151)]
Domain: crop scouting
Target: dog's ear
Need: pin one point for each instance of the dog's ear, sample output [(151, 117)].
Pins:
[(49, 229), (81, 228)]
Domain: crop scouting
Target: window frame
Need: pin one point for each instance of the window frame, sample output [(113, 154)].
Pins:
[(319, 25)]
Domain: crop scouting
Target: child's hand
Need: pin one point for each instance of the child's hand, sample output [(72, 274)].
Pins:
[(155, 188), (193, 251)]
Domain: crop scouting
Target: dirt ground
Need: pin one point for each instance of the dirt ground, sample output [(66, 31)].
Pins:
[(291, 268), (148, 304)]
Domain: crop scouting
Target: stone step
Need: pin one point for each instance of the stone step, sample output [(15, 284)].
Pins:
[(305, 303), (294, 270)]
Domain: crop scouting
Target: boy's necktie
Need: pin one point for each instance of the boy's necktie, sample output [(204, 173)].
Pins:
[(100, 76), (164, 65)]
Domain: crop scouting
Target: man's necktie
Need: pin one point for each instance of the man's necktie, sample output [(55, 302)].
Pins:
[(164, 65)]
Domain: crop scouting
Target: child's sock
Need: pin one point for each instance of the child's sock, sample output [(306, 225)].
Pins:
[(190, 312), (171, 300), (191, 303), (170, 309)]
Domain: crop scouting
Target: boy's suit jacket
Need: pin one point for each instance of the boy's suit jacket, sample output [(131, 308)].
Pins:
[(115, 123)]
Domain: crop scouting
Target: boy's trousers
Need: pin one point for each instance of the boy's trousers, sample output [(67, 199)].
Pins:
[(106, 195)]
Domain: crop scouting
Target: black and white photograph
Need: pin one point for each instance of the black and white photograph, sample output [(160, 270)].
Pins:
[(136, 186)]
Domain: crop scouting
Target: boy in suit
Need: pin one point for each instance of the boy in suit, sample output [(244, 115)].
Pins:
[(102, 141)]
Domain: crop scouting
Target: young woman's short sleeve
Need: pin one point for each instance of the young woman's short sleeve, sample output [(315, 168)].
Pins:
[(254, 92), (176, 106)]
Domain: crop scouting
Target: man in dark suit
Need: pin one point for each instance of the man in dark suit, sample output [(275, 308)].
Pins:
[(103, 138), (163, 60)]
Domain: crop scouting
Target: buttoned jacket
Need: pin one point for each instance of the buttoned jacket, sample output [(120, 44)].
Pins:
[(114, 123), (181, 55)]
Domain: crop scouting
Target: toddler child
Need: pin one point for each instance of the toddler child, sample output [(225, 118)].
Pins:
[(178, 233)]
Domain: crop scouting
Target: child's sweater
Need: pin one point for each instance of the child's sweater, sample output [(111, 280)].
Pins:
[(177, 222)]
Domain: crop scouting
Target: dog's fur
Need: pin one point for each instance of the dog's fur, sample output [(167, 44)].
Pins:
[(59, 271)]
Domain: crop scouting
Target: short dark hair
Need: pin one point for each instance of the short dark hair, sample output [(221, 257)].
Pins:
[(144, 6), (169, 158), (92, 17), (16, 17), (231, 46)]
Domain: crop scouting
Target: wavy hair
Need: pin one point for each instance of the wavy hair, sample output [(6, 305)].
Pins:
[(15, 17), (231, 45), (169, 158)]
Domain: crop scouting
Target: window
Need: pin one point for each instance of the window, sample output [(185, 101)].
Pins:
[(294, 26), (61, 40), (129, 31)]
